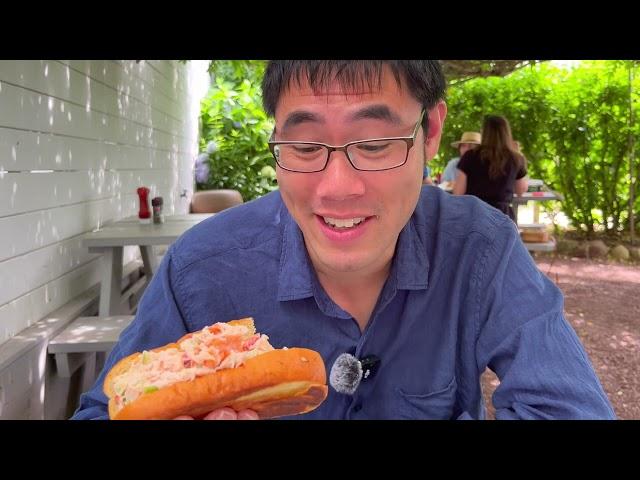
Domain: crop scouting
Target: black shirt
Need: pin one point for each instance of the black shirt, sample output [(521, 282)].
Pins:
[(497, 192)]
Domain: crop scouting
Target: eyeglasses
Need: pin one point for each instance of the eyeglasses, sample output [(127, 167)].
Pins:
[(374, 154)]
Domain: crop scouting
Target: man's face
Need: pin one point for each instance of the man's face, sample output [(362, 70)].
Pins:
[(465, 147), (351, 219)]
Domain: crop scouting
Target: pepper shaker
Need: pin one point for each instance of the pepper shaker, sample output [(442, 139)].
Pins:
[(158, 216)]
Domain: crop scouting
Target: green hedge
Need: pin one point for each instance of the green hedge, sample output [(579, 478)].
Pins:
[(574, 129), (235, 131)]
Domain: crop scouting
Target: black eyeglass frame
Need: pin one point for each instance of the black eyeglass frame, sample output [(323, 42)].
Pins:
[(410, 141)]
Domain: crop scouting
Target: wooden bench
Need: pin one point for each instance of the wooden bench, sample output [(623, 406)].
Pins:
[(31, 385), (84, 337)]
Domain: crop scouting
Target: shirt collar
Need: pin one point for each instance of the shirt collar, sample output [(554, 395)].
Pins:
[(294, 277), (410, 265)]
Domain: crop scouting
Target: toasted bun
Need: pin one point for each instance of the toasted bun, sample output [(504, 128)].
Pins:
[(274, 384)]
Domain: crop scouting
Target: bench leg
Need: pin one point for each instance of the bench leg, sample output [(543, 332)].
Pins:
[(88, 373), (101, 358)]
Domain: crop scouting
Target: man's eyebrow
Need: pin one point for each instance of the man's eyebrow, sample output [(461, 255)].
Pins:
[(377, 112), (301, 116)]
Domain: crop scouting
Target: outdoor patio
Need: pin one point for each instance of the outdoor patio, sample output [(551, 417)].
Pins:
[(80, 138)]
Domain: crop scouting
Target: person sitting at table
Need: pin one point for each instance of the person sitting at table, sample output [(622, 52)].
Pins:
[(493, 171), (467, 141), (426, 176)]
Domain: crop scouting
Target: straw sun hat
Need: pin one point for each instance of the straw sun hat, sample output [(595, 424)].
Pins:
[(469, 137)]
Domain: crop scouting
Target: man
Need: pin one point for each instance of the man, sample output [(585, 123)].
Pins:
[(468, 141), (426, 176), (351, 255)]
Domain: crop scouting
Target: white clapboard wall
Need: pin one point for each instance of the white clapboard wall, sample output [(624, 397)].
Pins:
[(76, 140)]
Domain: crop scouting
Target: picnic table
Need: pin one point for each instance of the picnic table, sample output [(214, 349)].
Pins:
[(111, 239), (537, 192)]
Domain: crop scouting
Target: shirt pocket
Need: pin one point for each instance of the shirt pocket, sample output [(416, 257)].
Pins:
[(435, 405)]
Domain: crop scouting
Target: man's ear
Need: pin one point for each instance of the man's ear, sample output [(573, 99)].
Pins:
[(436, 122)]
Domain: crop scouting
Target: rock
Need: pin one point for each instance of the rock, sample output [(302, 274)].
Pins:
[(566, 246), (634, 252), (620, 252), (581, 251), (597, 249)]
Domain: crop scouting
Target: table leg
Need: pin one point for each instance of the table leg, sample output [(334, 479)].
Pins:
[(110, 284), (536, 212), (149, 260)]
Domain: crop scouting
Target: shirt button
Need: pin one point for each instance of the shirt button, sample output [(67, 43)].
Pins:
[(357, 407)]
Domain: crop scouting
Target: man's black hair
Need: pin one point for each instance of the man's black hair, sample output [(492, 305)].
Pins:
[(424, 78)]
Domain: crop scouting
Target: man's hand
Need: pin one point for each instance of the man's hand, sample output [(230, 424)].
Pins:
[(225, 414)]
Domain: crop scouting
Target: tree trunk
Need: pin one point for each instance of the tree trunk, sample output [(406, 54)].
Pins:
[(632, 186)]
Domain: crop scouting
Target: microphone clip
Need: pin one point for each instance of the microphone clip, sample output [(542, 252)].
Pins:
[(370, 365)]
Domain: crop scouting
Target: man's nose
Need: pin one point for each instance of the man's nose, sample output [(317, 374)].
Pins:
[(340, 179)]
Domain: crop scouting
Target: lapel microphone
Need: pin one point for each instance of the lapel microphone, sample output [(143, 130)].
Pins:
[(348, 371)]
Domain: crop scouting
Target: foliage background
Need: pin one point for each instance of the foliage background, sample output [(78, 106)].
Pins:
[(573, 125), (233, 119)]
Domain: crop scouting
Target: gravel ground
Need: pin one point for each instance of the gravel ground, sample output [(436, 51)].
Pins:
[(602, 303)]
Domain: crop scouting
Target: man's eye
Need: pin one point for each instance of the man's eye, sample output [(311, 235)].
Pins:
[(372, 147), (307, 149)]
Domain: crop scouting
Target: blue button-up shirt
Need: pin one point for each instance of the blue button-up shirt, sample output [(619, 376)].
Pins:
[(463, 294)]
